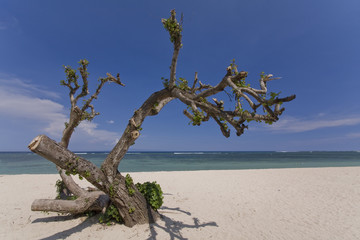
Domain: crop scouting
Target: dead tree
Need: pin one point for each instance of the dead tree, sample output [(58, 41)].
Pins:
[(249, 104)]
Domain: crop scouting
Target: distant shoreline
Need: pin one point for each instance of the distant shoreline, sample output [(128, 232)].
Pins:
[(30, 163)]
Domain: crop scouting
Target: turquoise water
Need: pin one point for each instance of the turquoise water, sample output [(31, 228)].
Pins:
[(30, 163)]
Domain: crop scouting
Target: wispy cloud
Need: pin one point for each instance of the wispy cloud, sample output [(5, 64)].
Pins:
[(3, 26), (27, 103), (353, 135), (8, 22), (291, 124), (32, 109), (21, 87), (98, 135)]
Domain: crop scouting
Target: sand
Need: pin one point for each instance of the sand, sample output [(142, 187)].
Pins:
[(318, 203)]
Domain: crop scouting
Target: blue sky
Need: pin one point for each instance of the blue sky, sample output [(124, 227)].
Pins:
[(312, 45)]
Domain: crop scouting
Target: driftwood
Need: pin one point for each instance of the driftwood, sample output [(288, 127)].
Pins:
[(95, 201)]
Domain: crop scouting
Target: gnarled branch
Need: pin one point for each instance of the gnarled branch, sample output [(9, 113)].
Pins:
[(236, 82), (262, 107)]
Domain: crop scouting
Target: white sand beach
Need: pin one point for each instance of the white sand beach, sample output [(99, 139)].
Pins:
[(317, 203)]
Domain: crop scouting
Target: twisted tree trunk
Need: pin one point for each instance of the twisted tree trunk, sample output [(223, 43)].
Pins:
[(111, 185), (133, 208)]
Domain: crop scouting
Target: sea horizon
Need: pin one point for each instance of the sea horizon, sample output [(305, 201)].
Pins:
[(152, 161)]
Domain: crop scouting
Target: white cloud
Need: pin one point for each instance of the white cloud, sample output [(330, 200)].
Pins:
[(291, 124), (111, 121), (20, 87), (46, 116), (97, 135), (33, 109)]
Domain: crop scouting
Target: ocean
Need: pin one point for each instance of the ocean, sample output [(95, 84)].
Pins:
[(30, 163)]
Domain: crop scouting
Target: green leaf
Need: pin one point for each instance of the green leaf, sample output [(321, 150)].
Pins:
[(152, 193)]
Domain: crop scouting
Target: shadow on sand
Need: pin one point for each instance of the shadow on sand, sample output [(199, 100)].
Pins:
[(173, 227), (165, 223), (66, 233)]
